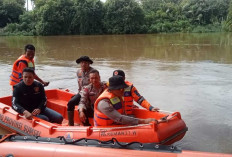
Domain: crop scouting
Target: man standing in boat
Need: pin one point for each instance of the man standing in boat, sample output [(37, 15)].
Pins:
[(132, 94), (24, 61), (89, 94), (30, 100), (83, 80), (108, 108)]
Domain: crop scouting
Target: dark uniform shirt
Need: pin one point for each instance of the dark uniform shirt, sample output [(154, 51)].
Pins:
[(89, 94), (28, 97), (83, 78)]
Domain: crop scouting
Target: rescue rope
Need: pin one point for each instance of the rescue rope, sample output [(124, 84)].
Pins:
[(113, 143)]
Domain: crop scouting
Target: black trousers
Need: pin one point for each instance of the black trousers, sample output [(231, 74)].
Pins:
[(74, 101), (89, 114)]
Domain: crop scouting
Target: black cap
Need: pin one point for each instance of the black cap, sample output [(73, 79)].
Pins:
[(119, 72), (117, 82), (84, 58)]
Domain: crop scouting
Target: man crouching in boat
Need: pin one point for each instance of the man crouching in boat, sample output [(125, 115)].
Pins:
[(108, 107), (30, 100), (89, 94), (130, 94), (83, 80)]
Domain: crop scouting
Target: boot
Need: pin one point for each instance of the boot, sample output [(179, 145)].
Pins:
[(70, 118), (86, 123)]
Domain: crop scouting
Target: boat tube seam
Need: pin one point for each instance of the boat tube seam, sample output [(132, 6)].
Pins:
[(174, 136)]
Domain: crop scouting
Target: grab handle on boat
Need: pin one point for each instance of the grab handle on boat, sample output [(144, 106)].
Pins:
[(176, 114), (34, 122), (5, 109), (169, 117), (89, 131), (19, 116), (37, 122), (52, 129)]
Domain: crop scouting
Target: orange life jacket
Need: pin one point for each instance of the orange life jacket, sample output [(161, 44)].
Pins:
[(130, 94), (128, 99), (16, 75), (101, 119)]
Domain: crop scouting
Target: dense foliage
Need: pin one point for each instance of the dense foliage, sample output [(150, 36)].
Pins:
[(123, 17), (10, 10), (71, 17), (227, 25)]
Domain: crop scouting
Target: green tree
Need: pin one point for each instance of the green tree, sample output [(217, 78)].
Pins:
[(203, 12), (88, 18), (164, 16), (64, 17), (26, 25), (21, 2), (123, 17), (228, 23), (54, 16), (10, 10)]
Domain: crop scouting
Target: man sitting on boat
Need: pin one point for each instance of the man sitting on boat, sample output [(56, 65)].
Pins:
[(88, 96), (30, 100), (108, 108), (83, 80), (130, 94)]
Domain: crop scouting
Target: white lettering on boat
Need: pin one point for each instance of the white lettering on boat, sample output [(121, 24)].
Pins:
[(11, 121), (128, 133), (31, 131), (16, 124)]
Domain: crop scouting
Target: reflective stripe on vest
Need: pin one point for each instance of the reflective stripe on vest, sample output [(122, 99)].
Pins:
[(30, 65), (128, 99), (116, 102), (101, 119)]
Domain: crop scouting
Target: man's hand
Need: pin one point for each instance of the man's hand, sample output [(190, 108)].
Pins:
[(36, 112), (147, 121), (155, 109), (46, 84), (27, 114), (82, 116)]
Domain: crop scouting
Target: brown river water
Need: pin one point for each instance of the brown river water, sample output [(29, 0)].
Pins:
[(189, 73)]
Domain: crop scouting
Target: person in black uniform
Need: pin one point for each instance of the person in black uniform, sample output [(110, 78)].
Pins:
[(30, 100)]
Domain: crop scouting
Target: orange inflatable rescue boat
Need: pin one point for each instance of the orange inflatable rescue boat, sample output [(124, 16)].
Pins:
[(171, 127), (28, 146)]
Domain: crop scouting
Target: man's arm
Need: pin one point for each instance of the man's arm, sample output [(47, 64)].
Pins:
[(83, 102), (84, 99), (41, 81), (79, 79), (18, 108), (106, 108), (15, 101)]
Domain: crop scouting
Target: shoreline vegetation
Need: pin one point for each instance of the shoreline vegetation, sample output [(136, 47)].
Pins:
[(94, 17)]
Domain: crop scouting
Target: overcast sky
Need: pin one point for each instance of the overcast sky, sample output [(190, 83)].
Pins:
[(30, 5)]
